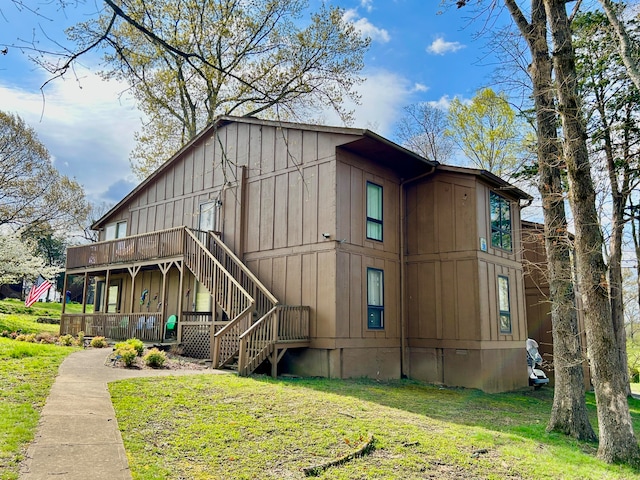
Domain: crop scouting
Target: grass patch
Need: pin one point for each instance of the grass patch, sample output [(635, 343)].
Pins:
[(27, 371), (227, 427), (14, 316)]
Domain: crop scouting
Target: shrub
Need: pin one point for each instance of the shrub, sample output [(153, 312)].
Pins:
[(126, 352), (46, 337), (137, 344), (66, 340), (155, 358), (80, 340), (26, 337), (634, 375), (98, 342)]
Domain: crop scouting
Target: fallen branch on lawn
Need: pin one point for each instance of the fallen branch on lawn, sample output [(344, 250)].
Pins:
[(363, 449)]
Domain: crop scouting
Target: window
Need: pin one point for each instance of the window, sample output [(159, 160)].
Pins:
[(375, 298), (504, 304), (116, 230), (500, 221), (374, 211), (208, 216)]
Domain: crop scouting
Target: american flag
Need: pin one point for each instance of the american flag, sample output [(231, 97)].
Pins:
[(41, 286)]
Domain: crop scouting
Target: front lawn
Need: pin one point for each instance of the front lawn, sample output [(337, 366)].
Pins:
[(27, 371), (227, 427)]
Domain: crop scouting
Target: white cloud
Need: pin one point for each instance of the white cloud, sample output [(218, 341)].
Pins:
[(86, 124), (367, 5), (440, 46), (420, 87), (442, 103), (383, 95), (365, 27)]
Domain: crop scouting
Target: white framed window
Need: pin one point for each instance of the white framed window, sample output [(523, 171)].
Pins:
[(209, 216), (375, 299), (115, 230)]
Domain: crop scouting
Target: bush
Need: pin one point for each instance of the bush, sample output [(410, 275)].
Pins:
[(126, 352), (26, 337), (66, 340), (137, 344), (634, 375), (98, 342), (45, 337), (80, 340), (155, 358)]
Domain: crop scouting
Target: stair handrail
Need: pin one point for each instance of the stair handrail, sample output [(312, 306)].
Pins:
[(257, 323), (218, 264), (217, 338), (247, 364), (257, 284)]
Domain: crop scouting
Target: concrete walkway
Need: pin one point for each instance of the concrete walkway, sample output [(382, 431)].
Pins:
[(78, 436)]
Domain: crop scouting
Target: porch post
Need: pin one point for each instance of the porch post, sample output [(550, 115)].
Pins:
[(64, 290), (85, 290), (164, 268), (180, 265)]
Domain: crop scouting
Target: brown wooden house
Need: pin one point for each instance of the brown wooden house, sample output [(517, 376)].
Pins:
[(320, 251)]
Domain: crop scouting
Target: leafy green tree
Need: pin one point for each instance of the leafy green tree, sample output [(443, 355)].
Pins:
[(487, 131), (611, 103), (188, 62), (32, 191)]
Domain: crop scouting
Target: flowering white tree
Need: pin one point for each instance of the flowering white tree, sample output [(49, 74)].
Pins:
[(17, 260)]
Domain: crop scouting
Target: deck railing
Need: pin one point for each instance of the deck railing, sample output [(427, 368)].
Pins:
[(164, 243), (225, 289), (283, 324), (148, 327), (264, 299)]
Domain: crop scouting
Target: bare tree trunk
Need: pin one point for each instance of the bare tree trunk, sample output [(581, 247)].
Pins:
[(569, 412), (617, 440), (624, 45)]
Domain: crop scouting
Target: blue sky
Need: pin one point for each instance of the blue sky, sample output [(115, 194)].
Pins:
[(418, 54)]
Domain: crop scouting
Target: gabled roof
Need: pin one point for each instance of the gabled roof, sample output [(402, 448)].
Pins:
[(370, 145), (362, 142)]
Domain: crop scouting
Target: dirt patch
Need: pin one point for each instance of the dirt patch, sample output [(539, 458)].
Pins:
[(173, 362)]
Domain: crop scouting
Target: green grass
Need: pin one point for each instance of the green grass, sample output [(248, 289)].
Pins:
[(27, 371), (15, 316), (226, 427)]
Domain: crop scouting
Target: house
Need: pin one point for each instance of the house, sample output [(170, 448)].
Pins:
[(538, 298), (318, 251)]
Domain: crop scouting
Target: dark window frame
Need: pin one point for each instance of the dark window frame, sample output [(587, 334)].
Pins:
[(374, 221), (501, 222), (375, 313), (504, 316)]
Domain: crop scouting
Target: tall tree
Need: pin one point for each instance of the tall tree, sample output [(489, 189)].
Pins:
[(617, 440), (422, 129), (569, 413), (32, 191), (627, 47), (224, 57), (611, 101), (487, 131)]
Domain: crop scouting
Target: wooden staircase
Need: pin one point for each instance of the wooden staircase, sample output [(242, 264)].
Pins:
[(259, 328)]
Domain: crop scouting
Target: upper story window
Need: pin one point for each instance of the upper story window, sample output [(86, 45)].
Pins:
[(504, 304), (500, 209), (375, 298), (115, 230), (374, 211)]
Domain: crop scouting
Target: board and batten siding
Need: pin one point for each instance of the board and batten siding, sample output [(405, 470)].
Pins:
[(451, 292)]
